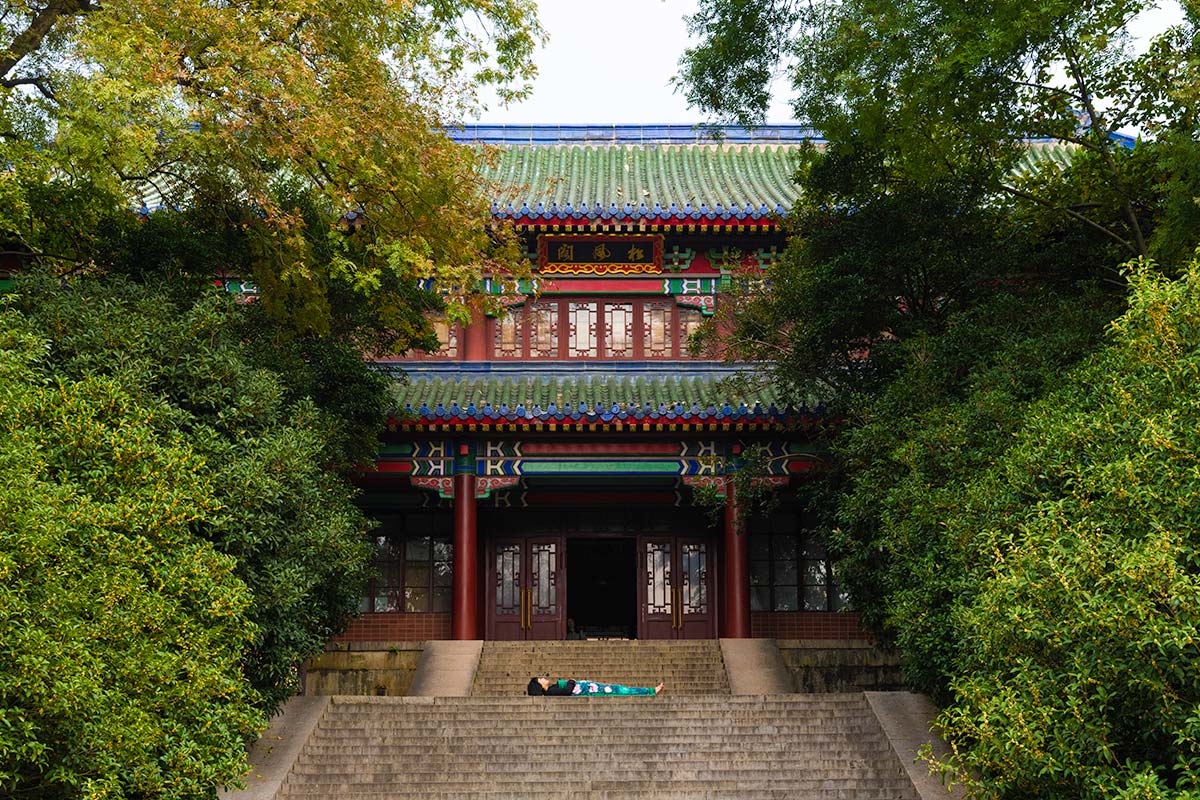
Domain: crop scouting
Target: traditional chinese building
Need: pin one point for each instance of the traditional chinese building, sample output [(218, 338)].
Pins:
[(540, 472)]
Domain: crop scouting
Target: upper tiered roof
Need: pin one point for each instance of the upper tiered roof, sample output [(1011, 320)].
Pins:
[(647, 173), (659, 174)]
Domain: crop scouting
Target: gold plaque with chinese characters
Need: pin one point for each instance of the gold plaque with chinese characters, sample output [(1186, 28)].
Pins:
[(600, 254)]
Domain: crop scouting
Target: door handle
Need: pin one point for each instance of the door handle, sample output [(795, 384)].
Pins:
[(677, 623), (529, 609), (522, 604)]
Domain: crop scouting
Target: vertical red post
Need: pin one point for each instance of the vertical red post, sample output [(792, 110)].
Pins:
[(736, 621), (464, 616), (475, 338)]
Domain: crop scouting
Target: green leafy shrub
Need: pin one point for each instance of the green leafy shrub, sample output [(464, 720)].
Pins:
[(1080, 671)]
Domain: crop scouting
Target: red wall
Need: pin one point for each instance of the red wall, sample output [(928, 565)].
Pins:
[(807, 625), (397, 627)]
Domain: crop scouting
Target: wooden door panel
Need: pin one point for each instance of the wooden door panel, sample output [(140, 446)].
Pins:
[(675, 588), (506, 602), (656, 592), (694, 590), (546, 589), (526, 589)]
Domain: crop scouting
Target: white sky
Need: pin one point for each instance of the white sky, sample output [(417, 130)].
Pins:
[(610, 61)]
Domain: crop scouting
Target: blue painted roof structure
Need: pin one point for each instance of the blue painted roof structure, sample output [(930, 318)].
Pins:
[(633, 134)]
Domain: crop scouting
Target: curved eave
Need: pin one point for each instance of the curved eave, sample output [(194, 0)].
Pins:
[(600, 425), (657, 216)]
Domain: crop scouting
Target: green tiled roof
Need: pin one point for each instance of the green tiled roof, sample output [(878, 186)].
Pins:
[(662, 174), (1040, 154), (548, 398)]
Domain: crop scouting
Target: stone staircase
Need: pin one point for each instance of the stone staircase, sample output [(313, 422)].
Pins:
[(816, 747), (689, 668)]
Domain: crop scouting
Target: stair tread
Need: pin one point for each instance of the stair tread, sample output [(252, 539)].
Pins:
[(695, 741)]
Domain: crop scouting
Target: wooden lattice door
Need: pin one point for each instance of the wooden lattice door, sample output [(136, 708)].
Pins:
[(674, 588), (526, 588)]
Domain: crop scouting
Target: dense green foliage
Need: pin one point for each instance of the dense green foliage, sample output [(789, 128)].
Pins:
[(206, 547), (1011, 483), (953, 86), (1079, 670), (279, 127), (123, 632), (176, 529)]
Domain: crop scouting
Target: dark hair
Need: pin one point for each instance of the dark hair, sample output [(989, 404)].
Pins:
[(534, 689)]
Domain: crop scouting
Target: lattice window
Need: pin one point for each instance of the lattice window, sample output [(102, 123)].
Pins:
[(695, 578), (641, 328), (657, 335), (544, 578), (658, 578), (508, 578), (544, 330), (413, 566), (387, 594), (788, 571), (690, 320), (582, 318), (618, 334), (428, 572), (509, 334)]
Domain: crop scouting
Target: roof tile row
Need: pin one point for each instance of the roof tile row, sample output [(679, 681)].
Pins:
[(594, 399)]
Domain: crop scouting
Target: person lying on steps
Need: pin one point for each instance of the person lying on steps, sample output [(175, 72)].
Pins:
[(580, 688)]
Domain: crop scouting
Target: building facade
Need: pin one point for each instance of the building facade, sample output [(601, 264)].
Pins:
[(541, 474)]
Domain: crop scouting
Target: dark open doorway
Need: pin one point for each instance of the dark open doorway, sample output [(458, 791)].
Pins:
[(602, 589)]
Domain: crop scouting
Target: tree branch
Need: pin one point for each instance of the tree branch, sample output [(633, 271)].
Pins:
[(31, 38), (1073, 214), (1041, 87), (1104, 146), (38, 82)]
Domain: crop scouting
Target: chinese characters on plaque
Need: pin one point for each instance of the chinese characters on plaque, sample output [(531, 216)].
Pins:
[(599, 254)]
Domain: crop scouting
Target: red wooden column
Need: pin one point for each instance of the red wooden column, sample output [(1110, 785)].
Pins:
[(735, 624), (464, 614), (475, 344)]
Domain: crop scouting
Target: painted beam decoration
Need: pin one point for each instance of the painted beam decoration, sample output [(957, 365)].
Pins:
[(600, 254), (506, 460)]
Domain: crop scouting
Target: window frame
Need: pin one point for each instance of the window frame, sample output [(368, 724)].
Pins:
[(635, 330), (773, 533), (390, 576)]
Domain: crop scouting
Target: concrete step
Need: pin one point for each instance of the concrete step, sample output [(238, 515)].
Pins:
[(740, 701), (677, 754), (463, 745), (826, 747), (647, 787), (688, 668), (659, 792), (751, 770)]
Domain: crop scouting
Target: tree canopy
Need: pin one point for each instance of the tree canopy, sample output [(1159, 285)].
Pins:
[(177, 536), (1009, 488), (941, 86), (290, 123), (179, 529), (121, 668)]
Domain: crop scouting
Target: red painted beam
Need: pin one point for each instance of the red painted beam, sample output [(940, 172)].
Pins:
[(597, 448)]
